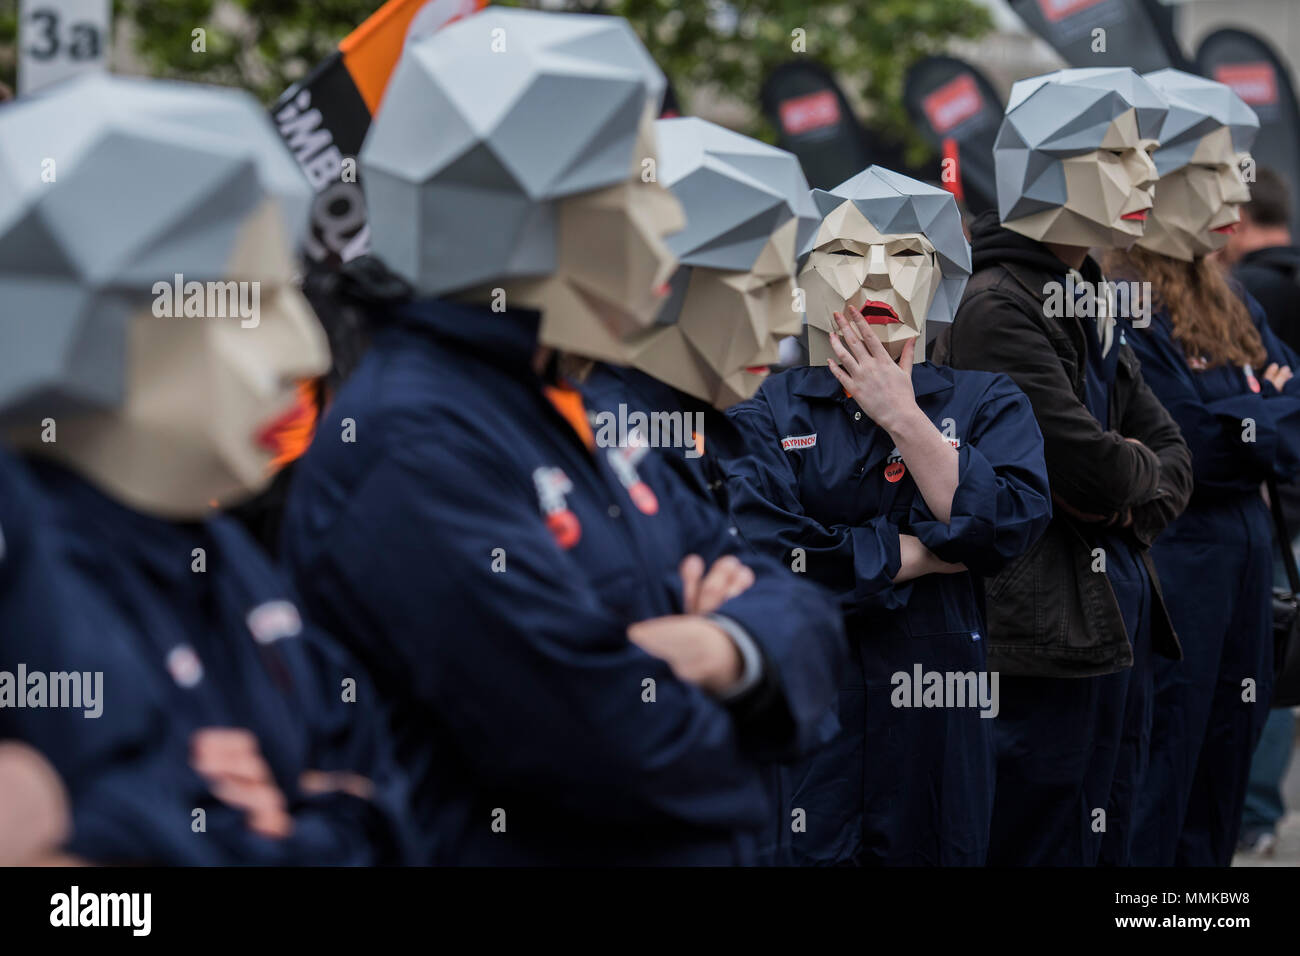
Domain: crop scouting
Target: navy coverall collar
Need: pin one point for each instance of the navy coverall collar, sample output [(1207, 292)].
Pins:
[(507, 339), (161, 545), (926, 380)]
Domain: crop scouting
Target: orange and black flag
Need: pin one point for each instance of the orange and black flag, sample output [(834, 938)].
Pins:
[(324, 118)]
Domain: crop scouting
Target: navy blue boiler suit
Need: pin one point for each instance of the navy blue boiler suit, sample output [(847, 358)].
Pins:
[(118, 766), (900, 785), (487, 563), (610, 386), (1215, 564), (222, 647)]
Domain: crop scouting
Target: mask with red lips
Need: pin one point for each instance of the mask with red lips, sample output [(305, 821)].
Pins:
[(1204, 149), (899, 263)]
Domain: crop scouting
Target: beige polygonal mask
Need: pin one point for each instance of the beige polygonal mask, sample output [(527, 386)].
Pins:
[(1071, 156), (729, 328), (151, 326), (891, 279), (732, 300), (203, 392), (892, 246), (1204, 146), (507, 165), (612, 264), (1198, 205), (1109, 192)]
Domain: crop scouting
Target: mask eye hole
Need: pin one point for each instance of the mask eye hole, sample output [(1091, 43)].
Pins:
[(1117, 152), (847, 252), (907, 252)]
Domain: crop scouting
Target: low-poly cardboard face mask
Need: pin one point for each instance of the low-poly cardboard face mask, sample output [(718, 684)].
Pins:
[(1073, 157), (164, 336), (613, 264), (732, 300), (893, 248), (507, 158), (1207, 137)]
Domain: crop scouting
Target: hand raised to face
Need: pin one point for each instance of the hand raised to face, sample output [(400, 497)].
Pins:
[(881, 387)]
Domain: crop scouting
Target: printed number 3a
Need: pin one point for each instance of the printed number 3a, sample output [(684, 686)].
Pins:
[(50, 19), (84, 44)]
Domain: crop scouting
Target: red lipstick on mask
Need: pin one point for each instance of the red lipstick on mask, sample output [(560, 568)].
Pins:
[(1138, 215), (287, 435), (878, 313)]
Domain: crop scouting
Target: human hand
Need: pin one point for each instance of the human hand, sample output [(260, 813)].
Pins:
[(918, 560), (705, 593), (34, 814), (231, 761), (1278, 376), (881, 387), (315, 782), (697, 650)]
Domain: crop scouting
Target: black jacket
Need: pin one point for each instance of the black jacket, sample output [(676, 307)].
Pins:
[(1050, 614), (1272, 276)]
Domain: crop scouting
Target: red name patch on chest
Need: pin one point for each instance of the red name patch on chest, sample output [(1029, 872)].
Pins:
[(799, 441)]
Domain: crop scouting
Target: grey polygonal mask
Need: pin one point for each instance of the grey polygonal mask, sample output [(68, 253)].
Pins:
[(1053, 119), (108, 184), (736, 192), (1203, 149), (732, 299), (1198, 106), (881, 237), (485, 126)]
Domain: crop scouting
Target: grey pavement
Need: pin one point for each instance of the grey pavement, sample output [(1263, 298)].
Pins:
[(1287, 850)]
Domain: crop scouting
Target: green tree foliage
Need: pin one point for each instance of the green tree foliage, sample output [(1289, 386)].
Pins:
[(868, 44), (701, 44), (265, 49), (8, 41)]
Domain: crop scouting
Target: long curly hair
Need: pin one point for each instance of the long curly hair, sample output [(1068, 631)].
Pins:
[(1210, 320)]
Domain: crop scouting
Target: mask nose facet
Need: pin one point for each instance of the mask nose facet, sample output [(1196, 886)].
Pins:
[(1146, 174), (1234, 190), (877, 264)]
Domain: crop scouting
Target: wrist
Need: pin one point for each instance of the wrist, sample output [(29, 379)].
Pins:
[(907, 424), (728, 666)]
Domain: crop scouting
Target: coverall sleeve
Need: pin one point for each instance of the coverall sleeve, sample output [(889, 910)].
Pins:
[(350, 736), (1002, 503), (1286, 462), (1275, 345), (123, 769), (1147, 420), (1092, 469), (531, 674), (1234, 440), (136, 798), (857, 564), (796, 624), (133, 795)]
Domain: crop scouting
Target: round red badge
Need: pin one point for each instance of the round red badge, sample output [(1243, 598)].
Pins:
[(894, 471), (566, 528)]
